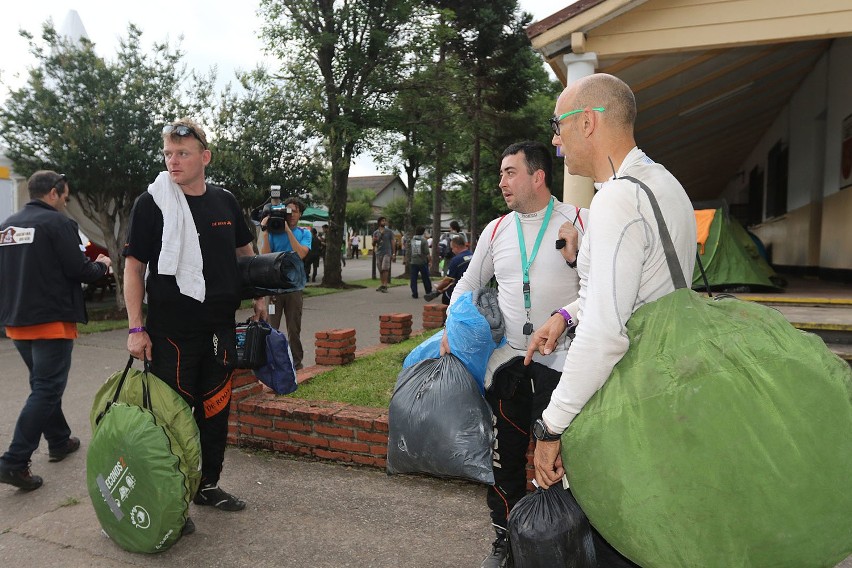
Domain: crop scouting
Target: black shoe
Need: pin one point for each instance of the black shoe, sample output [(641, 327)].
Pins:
[(62, 452), (20, 478), (414, 296), (431, 296), (499, 557), (384, 289), (212, 496), (188, 527)]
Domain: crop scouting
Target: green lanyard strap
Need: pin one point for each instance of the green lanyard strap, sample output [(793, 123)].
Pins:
[(525, 264)]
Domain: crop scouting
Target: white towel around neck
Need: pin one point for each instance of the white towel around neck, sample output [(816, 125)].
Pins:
[(180, 254)]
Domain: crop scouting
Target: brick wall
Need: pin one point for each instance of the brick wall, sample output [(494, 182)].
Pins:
[(325, 430)]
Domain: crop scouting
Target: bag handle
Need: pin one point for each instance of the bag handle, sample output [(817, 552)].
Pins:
[(665, 237), (146, 395)]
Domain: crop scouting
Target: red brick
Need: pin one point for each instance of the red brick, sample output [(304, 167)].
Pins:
[(316, 441), (292, 449), (321, 352), (270, 434), (394, 325), (370, 460), (256, 420), (385, 317), (345, 333), (332, 431), (335, 343), (358, 418), (336, 456), (379, 450), (348, 350), (372, 437), (355, 447), (292, 426), (321, 335), (402, 318), (391, 339), (431, 325)]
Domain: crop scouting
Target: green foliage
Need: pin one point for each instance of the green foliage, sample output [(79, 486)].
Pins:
[(421, 212), (259, 142), (358, 215), (99, 122), (346, 59)]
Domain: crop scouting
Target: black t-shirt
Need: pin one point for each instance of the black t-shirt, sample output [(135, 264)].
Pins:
[(221, 230)]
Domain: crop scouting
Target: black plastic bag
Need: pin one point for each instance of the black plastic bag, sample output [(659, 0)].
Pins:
[(271, 273), (547, 528), (439, 424)]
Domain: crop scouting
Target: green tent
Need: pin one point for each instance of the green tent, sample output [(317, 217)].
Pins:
[(314, 214), (729, 255)]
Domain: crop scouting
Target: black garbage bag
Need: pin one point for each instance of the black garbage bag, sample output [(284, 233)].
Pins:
[(439, 424), (271, 273), (547, 528)]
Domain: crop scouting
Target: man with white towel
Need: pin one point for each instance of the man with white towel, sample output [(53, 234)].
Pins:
[(184, 239)]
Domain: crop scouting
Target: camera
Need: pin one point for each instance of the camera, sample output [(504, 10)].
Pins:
[(277, 217)]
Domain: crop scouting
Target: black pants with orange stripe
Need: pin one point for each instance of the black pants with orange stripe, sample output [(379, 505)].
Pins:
[(189, 365), (518, 395)]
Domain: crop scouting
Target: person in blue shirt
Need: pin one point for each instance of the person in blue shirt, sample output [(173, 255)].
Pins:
[(291, 238), (458, 264)]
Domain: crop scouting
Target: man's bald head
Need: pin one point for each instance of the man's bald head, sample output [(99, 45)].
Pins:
[(610, 92)]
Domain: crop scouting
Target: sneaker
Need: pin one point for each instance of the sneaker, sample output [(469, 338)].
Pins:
[(380, 289), (384, 289), (431, 296), (62, 452), (212, 496), (20, 478), (188, 527), (499, 557), (414, 296)]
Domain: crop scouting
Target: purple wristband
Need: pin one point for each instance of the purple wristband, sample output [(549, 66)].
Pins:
[(135, 330), (565, 315)]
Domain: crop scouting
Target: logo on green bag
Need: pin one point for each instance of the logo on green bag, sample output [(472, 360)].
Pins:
[(139, 517)]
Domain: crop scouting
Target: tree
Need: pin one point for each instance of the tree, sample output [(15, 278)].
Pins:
[(494, 52), (258, 142), (358, 215), (99, 122), (346, 57), (397, 210)]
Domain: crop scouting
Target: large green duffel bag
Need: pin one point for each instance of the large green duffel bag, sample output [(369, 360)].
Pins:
[(723, 438), (142, 466)]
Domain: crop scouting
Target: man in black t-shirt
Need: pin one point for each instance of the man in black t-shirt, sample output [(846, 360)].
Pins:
[(193, 292)]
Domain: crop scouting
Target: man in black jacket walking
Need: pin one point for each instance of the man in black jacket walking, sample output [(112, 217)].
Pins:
[(41, 268)]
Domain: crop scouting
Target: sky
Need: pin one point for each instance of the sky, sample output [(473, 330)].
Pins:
[(214, 33)]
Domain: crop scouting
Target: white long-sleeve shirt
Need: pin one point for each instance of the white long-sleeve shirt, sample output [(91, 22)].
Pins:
[(552, 282), (622, 266)]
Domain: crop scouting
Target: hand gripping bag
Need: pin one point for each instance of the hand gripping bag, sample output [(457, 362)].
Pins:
[(439, 424), (474, 329), (722, 438), (142, 466)]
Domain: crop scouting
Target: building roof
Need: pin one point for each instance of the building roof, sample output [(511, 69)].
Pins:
[(709, 77), (373, 183)]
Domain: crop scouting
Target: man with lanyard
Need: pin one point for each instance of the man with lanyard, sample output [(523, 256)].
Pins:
[(594, 126), (297, 239), (529, 277)]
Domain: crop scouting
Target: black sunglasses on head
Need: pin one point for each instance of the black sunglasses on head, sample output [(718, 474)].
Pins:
[(62, 179), (183, 130)]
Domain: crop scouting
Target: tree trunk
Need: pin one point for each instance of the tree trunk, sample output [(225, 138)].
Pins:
[(436, 206), (475, 163)]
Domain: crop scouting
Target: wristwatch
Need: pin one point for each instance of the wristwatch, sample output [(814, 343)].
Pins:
[(541, 432)]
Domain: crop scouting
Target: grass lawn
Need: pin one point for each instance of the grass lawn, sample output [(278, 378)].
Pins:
[(368, 381)]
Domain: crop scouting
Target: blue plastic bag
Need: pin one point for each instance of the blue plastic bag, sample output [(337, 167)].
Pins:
[(470, 338), (279, 374)]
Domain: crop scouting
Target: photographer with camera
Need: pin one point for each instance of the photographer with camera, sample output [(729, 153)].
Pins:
[(280, 233)]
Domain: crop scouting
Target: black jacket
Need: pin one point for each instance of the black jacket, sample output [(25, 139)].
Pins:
[(41, 270)]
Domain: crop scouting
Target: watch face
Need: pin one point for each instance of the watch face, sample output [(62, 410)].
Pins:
[(538, 430)]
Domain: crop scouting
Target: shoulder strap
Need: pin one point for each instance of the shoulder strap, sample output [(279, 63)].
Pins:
[(579, 219), (665, 237), (500, 220)]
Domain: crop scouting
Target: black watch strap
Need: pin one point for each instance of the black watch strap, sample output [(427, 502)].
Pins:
[(541, 432)]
